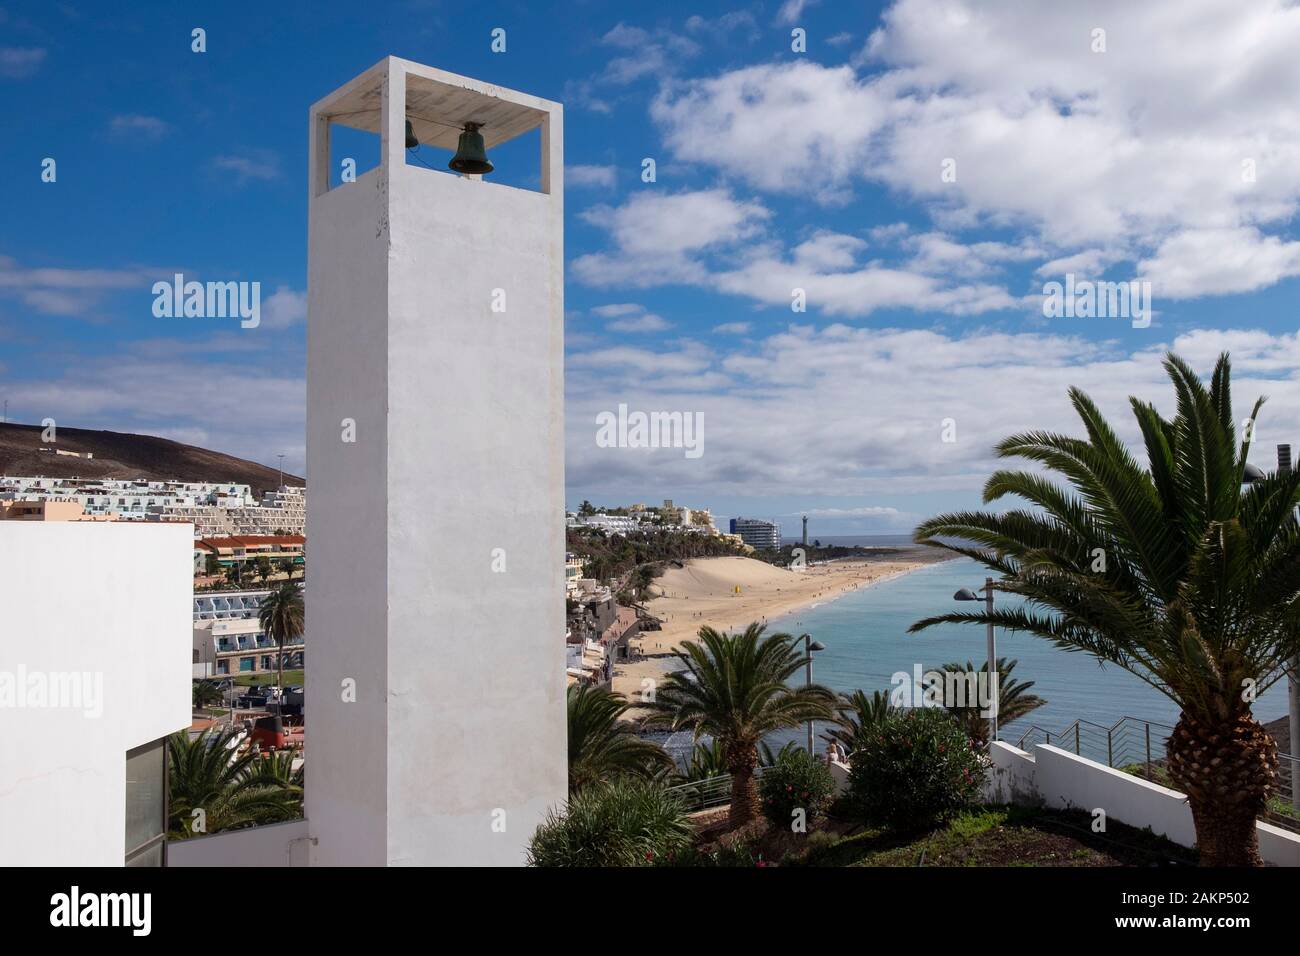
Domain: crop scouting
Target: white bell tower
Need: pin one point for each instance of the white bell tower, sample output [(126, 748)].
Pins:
[(435, 522)]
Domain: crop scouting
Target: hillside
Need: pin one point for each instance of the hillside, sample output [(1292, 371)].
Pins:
[(121, 455)]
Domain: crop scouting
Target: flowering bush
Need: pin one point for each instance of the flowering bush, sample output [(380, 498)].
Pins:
[(796, 780), (914, 770)]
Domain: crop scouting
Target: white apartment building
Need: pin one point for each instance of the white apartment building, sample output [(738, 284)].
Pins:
[(229, 640), (216, 509), (131, 499), (611, 524)]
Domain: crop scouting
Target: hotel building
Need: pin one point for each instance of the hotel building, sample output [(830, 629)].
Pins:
[(757, 533)]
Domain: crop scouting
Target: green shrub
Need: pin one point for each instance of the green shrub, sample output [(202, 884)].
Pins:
[(796, 780), (621, 822), (915, 770)]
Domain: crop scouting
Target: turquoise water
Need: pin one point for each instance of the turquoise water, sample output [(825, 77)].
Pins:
[(865, 633)]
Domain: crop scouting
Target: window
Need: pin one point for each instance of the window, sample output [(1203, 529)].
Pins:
[(146, 804)]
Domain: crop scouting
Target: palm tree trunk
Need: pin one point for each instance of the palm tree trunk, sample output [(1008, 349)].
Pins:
[(279, 663), (1227, 771), (744, 789)]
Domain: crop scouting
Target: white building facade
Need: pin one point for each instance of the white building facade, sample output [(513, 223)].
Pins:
[(94, 675)]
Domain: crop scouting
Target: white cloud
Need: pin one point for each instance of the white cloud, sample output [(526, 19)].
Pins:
[(18, 63), (796, 127), (732, 328), (617, 309), (727, 249), (585, 175), (792, 10), (646, 322), (1217, 261), (859, 413), (865, 511), (646, 53), (283, 308), (129, 124), (652, 243), (253, 165), (1141, 150), (69, 292), (630, 317)]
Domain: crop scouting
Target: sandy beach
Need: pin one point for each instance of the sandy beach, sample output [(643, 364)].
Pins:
[(730, 593)]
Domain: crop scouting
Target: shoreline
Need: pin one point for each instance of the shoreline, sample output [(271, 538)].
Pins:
[(702, 593)]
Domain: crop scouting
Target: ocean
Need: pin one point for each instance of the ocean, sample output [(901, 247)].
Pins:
[(865, 633)]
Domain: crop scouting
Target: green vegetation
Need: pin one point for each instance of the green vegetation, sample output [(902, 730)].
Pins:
[(229, 794), (915, 770), (734, 688), (612, 556), (205, 692), (1174, 571), (294, 678), (620, 822), (797, 781), (1014, 699), (857, 716), (281, 617), (1000, 836), (602, 746)]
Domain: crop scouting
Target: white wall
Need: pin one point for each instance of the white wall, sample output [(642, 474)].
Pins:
[(1011, 776), (106, 598), (459, 721), (1058, 778), (279, 844)]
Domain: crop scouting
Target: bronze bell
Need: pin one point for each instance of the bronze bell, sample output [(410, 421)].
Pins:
[(411, 141), (471, 155)]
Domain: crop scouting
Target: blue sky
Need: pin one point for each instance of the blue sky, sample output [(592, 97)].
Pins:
[(1165, 150)]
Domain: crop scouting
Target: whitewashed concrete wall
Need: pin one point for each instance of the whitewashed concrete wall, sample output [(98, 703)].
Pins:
[(280, 844), (107, 599), (1058, 778), (1011, 776), (437, 538)]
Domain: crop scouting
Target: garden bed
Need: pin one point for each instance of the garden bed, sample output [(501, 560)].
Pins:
[(980, 836)]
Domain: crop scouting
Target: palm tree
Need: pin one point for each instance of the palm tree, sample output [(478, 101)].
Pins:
[(206, 692), (734, 688), (1171, 571), (1014, 701), (232, 790), (858, 715), (277, 768), (706, 762), (602, 745), (281, 618)]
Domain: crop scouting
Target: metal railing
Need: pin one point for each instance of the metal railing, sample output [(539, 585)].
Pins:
[(706, 794), (1129, 743), (1140, 747)]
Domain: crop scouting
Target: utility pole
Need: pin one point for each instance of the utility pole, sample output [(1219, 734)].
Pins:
[(281, 457)]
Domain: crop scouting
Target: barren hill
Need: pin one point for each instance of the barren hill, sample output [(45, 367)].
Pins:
[(121, 455)]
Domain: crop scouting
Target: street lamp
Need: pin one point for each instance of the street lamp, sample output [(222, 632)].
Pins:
[(966, 594), (809, 645)]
